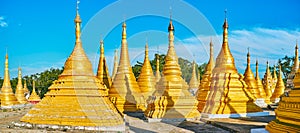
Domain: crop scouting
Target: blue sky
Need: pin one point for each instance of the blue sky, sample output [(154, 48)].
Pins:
[(40, 34)]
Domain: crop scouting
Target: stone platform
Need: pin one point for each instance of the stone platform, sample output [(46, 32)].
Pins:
[(203, 115)]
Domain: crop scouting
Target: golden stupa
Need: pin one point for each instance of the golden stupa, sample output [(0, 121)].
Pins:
[(27, 93), (102, 72), (274, 79), (146, 80), (34, 98), (260, 101), (199, 77), (125, 93), (287, 112), (204, 87), (7, 97), (194, 84), (157, 72), (228, 95), (250, 80), (291, 75), (77, 97), (115, 65), (20, 92), (171, 99), (279, 89), (267, 83)]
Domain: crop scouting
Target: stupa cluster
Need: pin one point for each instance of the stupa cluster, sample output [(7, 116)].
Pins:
[(80, 98)]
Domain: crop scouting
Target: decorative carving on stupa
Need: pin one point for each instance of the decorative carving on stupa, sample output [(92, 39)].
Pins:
[(77, 98), (157, 72), (7, 97), (125, 93), (228, 94), (204, 87), (102, 72), (171, 99), (260, 101), (267, 83), (34, 98), (291, 75), (146, 80), (287, 112), (20, 92), (279, 89), (194, 84), (115, 65)]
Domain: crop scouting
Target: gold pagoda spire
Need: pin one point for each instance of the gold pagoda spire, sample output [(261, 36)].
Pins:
[(125, 92), (204, 87), (157, 73), (20, 93), (34, 98), (171, 98), (146, 79), (102, 72), (260, 101), (25, 89), (77, 97), (194, 84), (115, 65), (291, 75), (267, 83), (274, 79), (228, 93), (279, 89), (8, 99)]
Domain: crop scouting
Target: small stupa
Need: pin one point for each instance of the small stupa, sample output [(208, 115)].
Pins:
[(157, 72), (77, 99), (34, 98), (125, 93), (194, 84), (274, 79), (267, 83), (260, 101), (102, 72), (146, 79), (279, 89), (171, 99), (228, 96), (291, 75), (204, 87), (20, 92), (7, 97), (115, 65)]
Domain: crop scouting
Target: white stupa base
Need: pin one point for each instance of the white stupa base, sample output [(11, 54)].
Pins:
[(204, 115), (275, 100), (261, 102)]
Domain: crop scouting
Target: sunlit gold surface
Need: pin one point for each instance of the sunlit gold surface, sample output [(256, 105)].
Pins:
[(34, 98), (20, 92), (287, 113), (102, 72), (267, 83), (115, 65), (171, 98), (146, 79), (157, 72), (77, 97), (194, 84), (274, 79), (125, 92), (291, 75), (250, 80), (260, 86), (228, 92), (279, 89), (7, 96), (204, 87)]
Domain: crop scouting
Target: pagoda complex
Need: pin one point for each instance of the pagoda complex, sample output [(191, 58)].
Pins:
[(287, 112), (194, 84), (291, 75), (228, 96), (102, 72), (204, 87), (171, 99), (279, 89), (157, 72), (260, 101), (115, 65), (146, 80), (34, 98), (7, 97), (20, 92), (77, 98), (267, 83), (125, 93)]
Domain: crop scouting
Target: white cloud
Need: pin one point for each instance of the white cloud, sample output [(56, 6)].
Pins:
[(2, 22)]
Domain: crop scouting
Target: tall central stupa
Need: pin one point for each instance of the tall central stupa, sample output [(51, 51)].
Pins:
[(77, 97), (228, 94)]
